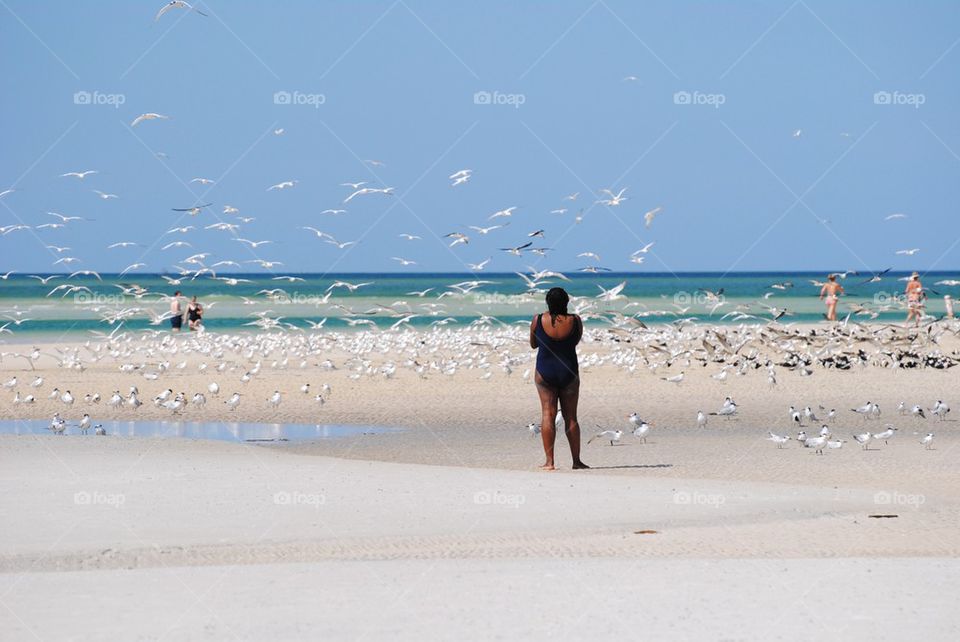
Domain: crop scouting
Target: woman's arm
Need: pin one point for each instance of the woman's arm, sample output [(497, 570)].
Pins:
[(823, 291), (533, 333)]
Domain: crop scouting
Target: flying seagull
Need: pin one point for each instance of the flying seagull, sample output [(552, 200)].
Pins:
[(148, 116), (193, 210), (176, 4)]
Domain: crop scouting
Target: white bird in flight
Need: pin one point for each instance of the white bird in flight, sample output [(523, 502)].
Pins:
[(613, 436), (460, 177), (148, 116), (388, 191), (80, 175), (649, 216), (176, 4), (615, 199)]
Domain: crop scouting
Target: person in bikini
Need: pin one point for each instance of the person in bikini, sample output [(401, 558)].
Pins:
[(915, 298), (555, 335), (830, 295)]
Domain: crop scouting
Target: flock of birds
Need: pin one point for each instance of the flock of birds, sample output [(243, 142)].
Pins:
[(825, 439), (869, 410), (485, 348)]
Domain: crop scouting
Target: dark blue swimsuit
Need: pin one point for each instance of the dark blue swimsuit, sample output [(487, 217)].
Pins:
[(557, 358)]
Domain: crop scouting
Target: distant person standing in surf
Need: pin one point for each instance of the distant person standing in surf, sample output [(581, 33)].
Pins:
[(176, 312), (915, 298), (830, 295)]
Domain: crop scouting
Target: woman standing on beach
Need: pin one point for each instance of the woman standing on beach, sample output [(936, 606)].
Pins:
[(558, 376), (915, 297), (830, 294)]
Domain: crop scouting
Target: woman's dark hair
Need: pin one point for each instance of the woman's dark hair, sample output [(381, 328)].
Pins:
[(557, 300)]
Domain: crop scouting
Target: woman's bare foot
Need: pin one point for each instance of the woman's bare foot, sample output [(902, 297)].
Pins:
[(548, 466), (579, 465)]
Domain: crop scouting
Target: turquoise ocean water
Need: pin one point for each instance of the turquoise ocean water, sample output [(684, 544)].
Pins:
[(655, 297)]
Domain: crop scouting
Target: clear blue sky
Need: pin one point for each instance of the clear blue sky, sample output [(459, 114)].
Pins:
[(738, 189)]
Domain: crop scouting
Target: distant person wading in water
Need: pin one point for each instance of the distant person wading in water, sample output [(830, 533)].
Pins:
[(830, 294), (555, 334), (915, 298), (195, 315), (176, 320)]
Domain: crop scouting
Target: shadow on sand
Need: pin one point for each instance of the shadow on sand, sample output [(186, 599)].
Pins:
[(631, 466)]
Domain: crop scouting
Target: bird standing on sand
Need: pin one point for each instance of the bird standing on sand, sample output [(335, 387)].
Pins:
[(728, 410), (886, 435), (641, 428), (274, 400), (779, 440), (816, 443), (795, 416), (940, 409)]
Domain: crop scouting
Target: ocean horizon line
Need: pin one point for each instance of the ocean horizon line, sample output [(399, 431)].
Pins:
[(576, 273)]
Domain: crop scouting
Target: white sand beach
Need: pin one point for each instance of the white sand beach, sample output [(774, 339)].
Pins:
[(445, 528)]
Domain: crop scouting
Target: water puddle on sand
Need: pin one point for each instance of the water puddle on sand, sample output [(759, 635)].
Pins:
[(223, 431)]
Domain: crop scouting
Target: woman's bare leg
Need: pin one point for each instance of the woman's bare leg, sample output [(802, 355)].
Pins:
[(569, 399), (548, 431)]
